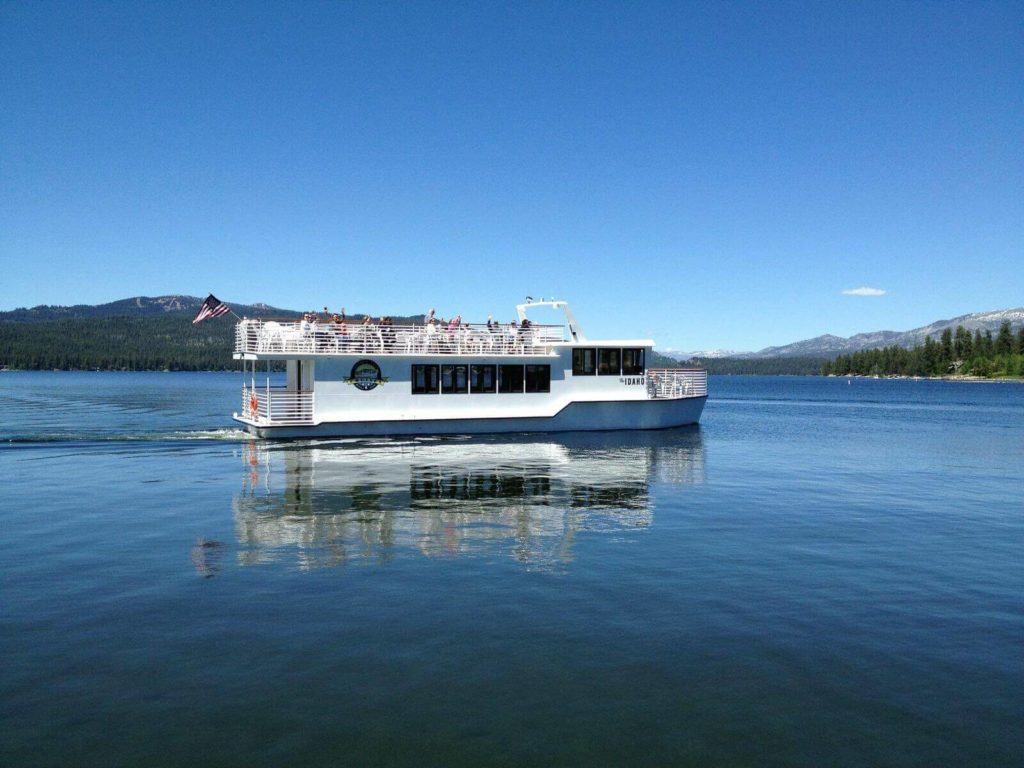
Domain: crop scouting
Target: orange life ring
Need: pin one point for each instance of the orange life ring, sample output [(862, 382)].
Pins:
[(254, 405)]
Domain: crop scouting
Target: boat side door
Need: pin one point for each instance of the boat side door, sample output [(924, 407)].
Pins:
[(300, 375)]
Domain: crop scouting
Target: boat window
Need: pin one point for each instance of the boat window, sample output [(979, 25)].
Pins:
[(538, 378), (424, 380), (510, 378), (584, 362), (483, 378), (608, 362), (633, 362), (453, 380)]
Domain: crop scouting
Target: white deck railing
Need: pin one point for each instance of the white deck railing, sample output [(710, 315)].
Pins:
[(675, 383), (269, 336), (275, 405)]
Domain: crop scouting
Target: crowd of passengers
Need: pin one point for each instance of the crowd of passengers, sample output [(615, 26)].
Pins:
[(335, 328)]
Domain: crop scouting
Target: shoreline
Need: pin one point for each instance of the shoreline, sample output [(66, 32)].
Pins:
[(964, 379)]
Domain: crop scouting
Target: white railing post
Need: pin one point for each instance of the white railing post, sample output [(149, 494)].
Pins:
[(676, 383)]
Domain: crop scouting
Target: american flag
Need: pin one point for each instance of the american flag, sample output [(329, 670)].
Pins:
[(212, 307)]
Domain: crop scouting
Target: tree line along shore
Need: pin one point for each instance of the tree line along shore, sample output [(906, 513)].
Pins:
[(165, 342), (956, 353)]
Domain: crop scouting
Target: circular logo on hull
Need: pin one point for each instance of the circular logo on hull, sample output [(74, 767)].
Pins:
[(365, 375)]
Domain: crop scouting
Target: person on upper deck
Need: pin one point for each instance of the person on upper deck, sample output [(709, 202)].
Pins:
[(524, 332), (513, 331), (387, 331)]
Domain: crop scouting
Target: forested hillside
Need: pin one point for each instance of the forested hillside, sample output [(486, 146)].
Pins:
[(153, 334), (763, 366), (166, 342), (957, 353)]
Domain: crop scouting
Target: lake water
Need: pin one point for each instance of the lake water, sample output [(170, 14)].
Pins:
[(822, 573)]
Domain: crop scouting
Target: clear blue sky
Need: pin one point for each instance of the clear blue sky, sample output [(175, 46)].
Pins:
[(713, 175)]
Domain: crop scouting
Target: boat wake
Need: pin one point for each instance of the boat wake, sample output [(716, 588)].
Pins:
[(200, 435)]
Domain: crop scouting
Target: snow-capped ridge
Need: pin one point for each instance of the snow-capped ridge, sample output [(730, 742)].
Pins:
[(828, 345)]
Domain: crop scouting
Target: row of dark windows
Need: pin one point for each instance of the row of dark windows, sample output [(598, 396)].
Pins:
[(587, 361), (464, 379)]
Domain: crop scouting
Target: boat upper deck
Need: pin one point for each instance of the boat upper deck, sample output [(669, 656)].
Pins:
[(272, 338)]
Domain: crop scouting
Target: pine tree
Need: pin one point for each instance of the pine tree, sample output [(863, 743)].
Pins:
[(963, 346), (947, 346), (1004, 341), (931, 362)]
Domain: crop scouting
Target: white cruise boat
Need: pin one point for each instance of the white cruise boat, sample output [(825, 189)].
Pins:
[(348, 380)]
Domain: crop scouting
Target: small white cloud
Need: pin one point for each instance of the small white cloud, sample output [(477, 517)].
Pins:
[(864, 292)]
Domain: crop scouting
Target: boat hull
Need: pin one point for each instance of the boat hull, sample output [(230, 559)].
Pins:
[(575, 417)]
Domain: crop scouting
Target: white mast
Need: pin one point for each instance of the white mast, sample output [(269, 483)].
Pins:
[(574, 329)]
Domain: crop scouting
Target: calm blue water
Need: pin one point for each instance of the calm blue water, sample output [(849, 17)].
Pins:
[(824, 573)]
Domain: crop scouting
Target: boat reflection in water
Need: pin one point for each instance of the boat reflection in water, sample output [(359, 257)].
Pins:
[(327, 503)]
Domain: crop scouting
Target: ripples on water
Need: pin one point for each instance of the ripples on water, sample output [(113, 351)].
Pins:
[(824, 573)]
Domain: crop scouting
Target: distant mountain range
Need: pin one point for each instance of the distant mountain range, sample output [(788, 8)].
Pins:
[(705, 354), (826, 346), (829, 346), (150, 306), (139, 306)]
